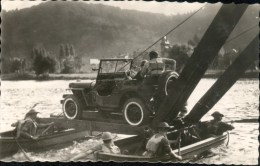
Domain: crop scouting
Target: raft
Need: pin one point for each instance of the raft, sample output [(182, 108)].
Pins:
[(64, 136), (132, 150)]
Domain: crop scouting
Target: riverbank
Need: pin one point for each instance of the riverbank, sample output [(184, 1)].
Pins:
[(91, 76), (218, 73), (27, 76)]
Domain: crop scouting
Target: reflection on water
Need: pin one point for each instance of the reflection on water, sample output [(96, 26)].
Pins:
[(241, 102)]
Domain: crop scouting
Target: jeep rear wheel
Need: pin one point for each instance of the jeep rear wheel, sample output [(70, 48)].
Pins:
[(135, 112), (71, 108)]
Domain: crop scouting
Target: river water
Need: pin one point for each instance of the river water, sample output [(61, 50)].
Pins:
[(240, 102)]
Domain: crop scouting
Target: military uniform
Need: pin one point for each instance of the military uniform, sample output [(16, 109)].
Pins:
[(158, 146)]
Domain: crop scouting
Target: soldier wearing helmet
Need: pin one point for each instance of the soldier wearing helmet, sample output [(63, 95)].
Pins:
[(216, 126), (30, 128), (158, 145), (107, 146)]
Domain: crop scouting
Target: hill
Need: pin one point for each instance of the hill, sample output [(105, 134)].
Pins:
[(98, 31)]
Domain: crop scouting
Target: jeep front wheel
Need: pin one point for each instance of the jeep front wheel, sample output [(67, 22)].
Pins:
[(135, 112), (71, 108)]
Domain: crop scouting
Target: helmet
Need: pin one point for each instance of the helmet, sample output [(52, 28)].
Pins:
[(32, 111), (217, 114), (106, 136), (153, 54), (163, 125)]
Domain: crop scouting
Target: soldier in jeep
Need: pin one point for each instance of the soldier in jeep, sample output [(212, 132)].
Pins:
[(155, 66)]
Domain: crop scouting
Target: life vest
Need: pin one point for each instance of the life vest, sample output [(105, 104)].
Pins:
[(21, 126), (153, 143), (110, 149), (156, 66), (213, 127)]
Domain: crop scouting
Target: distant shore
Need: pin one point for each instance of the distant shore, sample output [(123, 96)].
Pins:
[(92, 76), (26, 76)]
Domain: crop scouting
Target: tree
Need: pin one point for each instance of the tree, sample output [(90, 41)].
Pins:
[(62, 51), (69, 65), (78, 63), (62, 55), (180, 54), (16, 65), (195, 41), (43, 63), (71, 62), (72, 51), (67, 50)]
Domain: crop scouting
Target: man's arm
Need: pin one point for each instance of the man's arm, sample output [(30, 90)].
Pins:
[(88, 152), (81, 155), (223, 127), (144, 69), (165, 143), (41, 125), (27, 135), (175, 155)]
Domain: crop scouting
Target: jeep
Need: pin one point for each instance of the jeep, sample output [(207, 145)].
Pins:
[(116, 90)]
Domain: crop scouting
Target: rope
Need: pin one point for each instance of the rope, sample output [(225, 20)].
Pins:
[(20, 147), (228, 138), (179, 144), (164, 35), (245, 31)]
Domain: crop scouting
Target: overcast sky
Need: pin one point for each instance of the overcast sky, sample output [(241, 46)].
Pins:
[(168, 8)]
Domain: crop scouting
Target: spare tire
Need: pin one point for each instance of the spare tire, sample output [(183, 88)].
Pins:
[(166, 82), (71, 107)]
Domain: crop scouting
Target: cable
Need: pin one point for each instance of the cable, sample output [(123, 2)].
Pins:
[(164, 35), (127, 63), (245, 31)]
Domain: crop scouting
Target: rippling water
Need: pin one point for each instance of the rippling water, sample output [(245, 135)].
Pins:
[(240, 102)]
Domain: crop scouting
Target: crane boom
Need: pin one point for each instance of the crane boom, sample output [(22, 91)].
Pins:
[(208, 48), (225, 82)]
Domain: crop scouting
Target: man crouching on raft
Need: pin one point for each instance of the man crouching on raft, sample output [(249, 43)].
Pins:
[(107, 146), (158, 145), (30, 128)]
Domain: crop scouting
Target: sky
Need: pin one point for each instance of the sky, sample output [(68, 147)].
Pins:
[(167, 8)]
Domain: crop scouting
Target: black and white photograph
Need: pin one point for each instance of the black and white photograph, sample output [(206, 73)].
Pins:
[(129, 81)]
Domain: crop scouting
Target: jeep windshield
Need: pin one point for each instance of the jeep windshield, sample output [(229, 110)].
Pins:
[(115, 65)]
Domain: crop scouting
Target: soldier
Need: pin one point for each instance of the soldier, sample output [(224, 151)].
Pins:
[(29, 128), (155, 66), (158, 145), (216, 126), (107, 146)]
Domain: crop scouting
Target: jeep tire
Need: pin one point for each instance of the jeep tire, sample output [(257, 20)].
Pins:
[(135, 112), (71, 107)]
